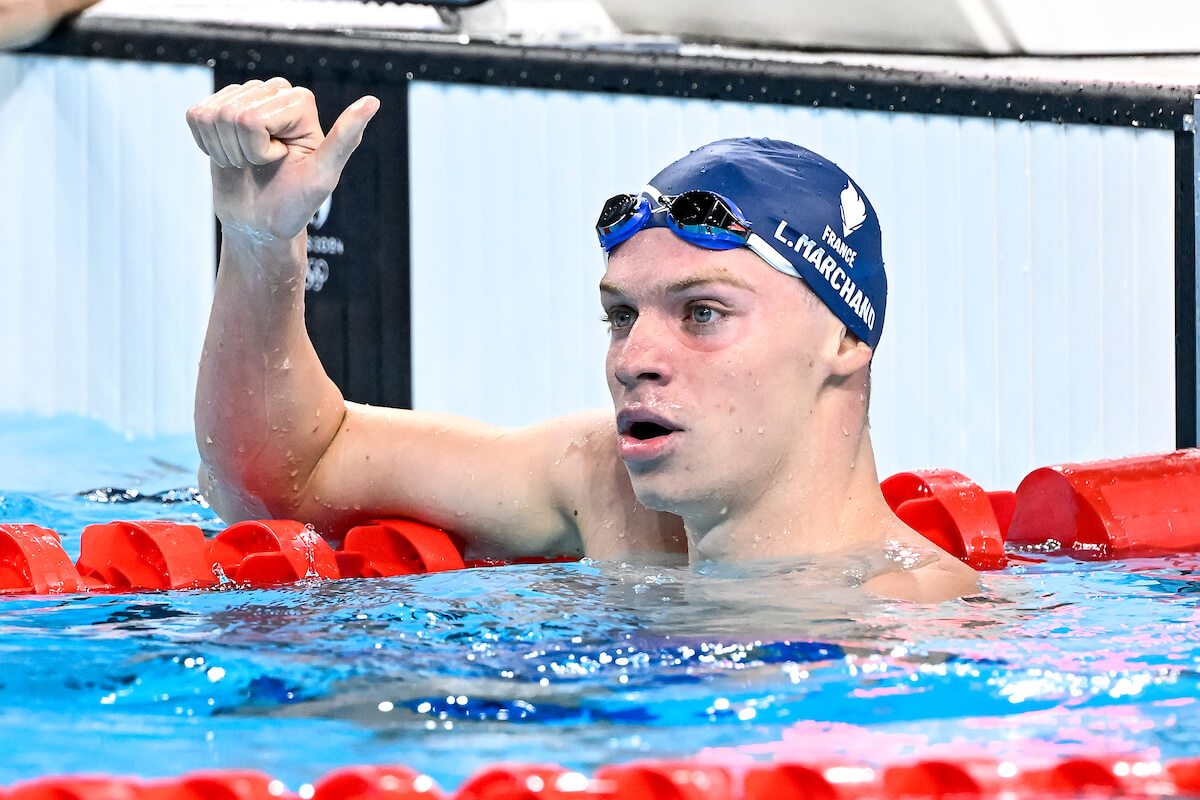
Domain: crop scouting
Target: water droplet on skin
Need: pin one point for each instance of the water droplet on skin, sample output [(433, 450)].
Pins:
[(724, 510), (738, 429), (762, 430), (845, 431), (208, 440)]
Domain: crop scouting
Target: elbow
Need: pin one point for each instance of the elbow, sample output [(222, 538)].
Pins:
[(246, 495), (229, 504)]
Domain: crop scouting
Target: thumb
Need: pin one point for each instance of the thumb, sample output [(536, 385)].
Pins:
[(345, 136)]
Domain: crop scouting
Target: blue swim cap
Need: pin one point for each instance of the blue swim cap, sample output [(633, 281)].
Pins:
[(808, 210)]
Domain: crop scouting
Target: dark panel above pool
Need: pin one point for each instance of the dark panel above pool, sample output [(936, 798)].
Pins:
[(357, 298)]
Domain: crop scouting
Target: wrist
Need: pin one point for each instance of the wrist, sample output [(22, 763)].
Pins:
[(281, 257), (263, 246)]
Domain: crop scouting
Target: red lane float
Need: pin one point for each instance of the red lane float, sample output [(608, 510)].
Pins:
[(376, 783), (973, 778), (666, 780), (1139, 506), (390, 547), (778, 781), (1104, 776), (32, 559), (228, 784), (1185, 776), (953, 512), (521, 782), (264, 552), (144, 555)]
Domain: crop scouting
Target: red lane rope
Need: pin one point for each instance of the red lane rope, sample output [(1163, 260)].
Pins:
[(1119, 508), (665, 780)]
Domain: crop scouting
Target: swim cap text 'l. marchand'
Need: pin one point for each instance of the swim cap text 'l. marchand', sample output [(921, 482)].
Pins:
[(809, 211)]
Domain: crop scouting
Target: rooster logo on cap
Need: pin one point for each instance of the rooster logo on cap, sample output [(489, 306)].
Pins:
[(854, 210)]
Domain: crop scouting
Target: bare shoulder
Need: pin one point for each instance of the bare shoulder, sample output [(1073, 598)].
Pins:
[(946, 578)]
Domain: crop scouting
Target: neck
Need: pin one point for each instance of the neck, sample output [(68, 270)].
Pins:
[(826, 500)]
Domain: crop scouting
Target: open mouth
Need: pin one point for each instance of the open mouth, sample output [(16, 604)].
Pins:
[(648, 430)]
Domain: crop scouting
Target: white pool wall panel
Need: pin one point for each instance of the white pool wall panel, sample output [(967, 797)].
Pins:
[(107, 222), (1031, 313)]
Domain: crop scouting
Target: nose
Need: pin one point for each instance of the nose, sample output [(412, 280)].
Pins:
[(642, 355)]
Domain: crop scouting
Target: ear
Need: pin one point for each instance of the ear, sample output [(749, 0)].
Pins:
[(853, 354)]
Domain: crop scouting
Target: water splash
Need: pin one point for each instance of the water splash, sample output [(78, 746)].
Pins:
[(223, 580), (310, 538)]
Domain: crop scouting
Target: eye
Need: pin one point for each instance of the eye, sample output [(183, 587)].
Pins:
[(703, 314), (619, 318)]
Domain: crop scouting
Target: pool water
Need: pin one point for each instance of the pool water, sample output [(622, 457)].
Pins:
[(579, 664)]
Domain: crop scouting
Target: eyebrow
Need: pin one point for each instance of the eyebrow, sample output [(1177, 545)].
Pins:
[(701, 279)]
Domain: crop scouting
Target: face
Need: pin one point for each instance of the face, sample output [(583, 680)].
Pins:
[(714, 364)]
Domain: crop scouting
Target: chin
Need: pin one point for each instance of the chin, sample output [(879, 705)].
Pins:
[(658, 492)]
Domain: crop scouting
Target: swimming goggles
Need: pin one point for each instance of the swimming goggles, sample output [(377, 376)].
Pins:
[(699, 217)]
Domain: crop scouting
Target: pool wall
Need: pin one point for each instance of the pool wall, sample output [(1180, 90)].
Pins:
[(106, 224), (1033, 255)]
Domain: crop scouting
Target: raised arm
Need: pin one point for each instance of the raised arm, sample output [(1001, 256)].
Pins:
[(276, 437), (265, 409)]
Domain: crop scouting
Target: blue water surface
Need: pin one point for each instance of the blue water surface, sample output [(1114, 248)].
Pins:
[(580, 664)]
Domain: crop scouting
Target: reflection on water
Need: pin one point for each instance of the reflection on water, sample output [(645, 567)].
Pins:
[(589, 663)]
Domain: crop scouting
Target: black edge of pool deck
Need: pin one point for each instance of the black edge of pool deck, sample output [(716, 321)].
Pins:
[(654, 70)]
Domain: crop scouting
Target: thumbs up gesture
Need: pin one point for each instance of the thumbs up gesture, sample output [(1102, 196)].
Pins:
[(272, 166)]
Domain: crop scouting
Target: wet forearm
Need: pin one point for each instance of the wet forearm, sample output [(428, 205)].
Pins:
[(265, 409)]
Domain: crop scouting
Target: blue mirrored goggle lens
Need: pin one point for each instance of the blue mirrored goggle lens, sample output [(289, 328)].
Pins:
[(707, 219), (622, 216)]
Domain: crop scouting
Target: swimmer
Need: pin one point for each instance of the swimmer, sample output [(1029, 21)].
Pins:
[(738, 363), (27, 22)]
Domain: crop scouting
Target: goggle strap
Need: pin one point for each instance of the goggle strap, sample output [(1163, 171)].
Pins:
[(764, 250)]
